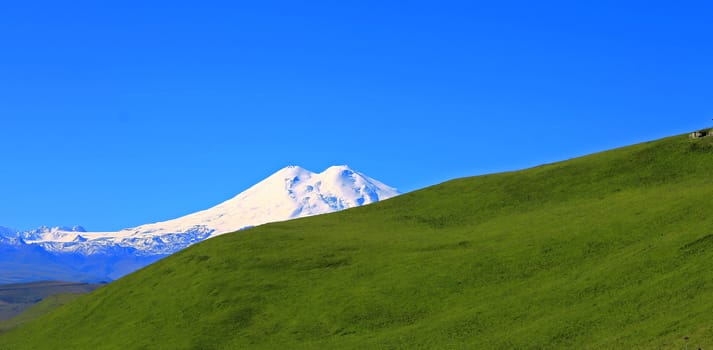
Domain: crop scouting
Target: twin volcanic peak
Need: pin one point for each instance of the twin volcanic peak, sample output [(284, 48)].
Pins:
[(291, 192)]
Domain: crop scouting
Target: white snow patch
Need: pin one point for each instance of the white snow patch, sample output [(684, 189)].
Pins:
[(289, 193)]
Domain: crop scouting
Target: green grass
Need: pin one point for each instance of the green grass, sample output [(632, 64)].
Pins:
[(608, 251), (38, 310), (16, 298)]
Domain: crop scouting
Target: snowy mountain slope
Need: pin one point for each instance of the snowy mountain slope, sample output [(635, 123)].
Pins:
[(289, 193)]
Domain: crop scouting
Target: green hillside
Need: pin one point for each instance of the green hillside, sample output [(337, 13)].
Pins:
[(608, 251), (37, 310), (16, 298)]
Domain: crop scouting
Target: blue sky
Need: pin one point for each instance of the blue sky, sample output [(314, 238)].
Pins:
[(116, 114)]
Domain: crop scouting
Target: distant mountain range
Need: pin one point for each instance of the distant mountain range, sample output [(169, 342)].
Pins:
[(73, 254)]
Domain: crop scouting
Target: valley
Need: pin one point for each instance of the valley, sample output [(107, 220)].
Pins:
[(18, 298)]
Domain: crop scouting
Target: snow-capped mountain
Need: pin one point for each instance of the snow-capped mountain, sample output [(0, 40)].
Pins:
[(289, 193), (73, 254), (9, 236), (49, 233)]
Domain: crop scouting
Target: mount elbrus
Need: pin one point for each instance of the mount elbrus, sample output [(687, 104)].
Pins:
[(291, 192)]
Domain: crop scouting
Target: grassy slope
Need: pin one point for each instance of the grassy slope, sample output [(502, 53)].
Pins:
[(38, 310), (15, 298), (606, 251)]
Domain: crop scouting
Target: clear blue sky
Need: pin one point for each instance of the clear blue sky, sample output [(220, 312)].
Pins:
[(118, 113)]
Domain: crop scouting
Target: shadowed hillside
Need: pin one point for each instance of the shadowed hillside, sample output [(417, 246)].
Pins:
[(15, 298), (608, 251)]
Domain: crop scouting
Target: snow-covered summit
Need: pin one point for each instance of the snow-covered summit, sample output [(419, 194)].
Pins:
[(289, 193), (9, 236), (46, 233)]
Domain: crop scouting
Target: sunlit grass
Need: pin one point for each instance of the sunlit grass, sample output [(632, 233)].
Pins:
[(609, 251)]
